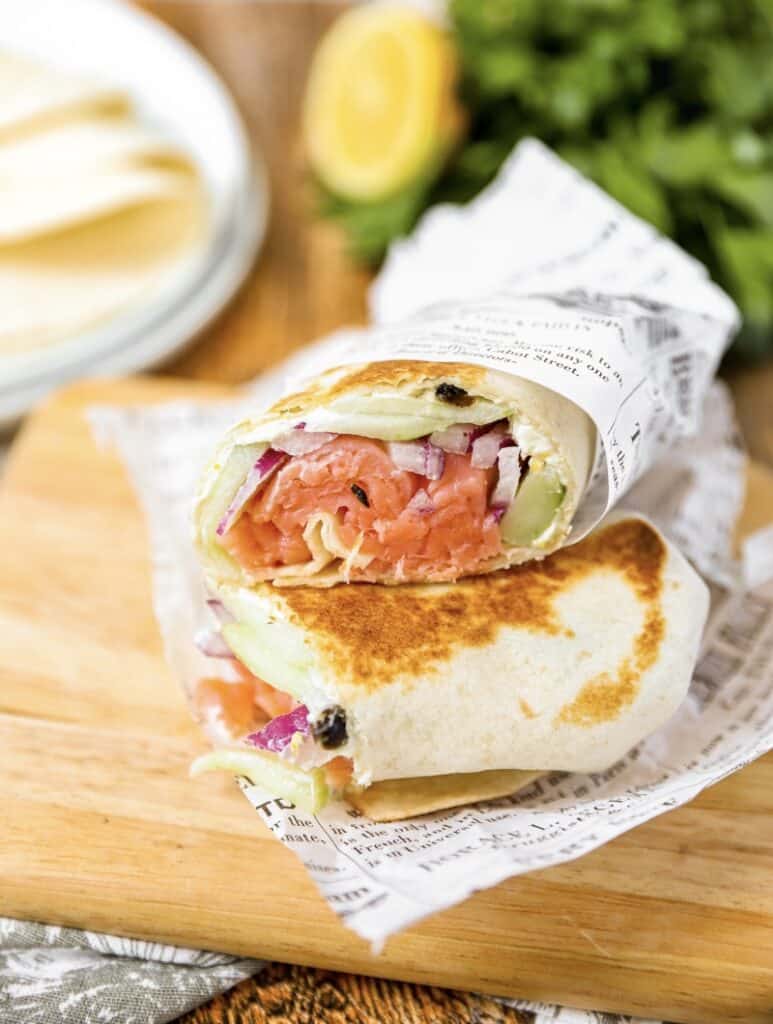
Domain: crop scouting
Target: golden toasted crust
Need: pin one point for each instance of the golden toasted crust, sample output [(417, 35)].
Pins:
[(602, 698), (391, 373), (374, 635), (395, 799)]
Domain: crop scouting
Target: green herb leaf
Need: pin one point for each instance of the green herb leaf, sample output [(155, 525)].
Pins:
[(749, 191), (633, 187), (688, 157), (370, 227), (747, 258)]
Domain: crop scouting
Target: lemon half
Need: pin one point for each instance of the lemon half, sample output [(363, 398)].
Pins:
[(380, 107)]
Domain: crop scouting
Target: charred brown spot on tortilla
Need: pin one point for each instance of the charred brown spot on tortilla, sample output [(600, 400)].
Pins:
[(375, 635), (602, 698), (390, 374), (453, 394), (360, 495), (526, 708), (395, 372)]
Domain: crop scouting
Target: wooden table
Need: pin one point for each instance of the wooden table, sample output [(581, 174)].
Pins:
[(303, 286)]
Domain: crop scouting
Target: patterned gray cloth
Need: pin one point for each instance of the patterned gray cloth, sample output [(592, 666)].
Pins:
[(51, 975)]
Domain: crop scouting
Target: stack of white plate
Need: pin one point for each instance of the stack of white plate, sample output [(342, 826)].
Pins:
[(174, 90)]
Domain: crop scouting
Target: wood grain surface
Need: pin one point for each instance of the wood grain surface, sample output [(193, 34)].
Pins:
[(102, 827), (303, 286)]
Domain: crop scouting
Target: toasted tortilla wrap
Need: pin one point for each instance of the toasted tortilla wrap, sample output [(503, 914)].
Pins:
[(393, 472), (561, 664)]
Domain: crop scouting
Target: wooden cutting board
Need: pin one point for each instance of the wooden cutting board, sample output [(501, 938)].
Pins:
[(102, 828)]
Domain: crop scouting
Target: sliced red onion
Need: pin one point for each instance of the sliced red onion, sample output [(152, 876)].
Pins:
[(300, 442), (211, 643), (269, 461), (497, 512), (509, 463), (434, 461), (219, 610), (496, 425), (278, 733), (455, 439), (420, 457), (408, 456), (486, 448), (479, 432), (421, 503)]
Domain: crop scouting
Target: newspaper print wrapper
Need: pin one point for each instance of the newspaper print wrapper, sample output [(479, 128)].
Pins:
[(657, 361)]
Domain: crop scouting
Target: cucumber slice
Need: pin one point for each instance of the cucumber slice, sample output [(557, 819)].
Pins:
[(396, 406), (212, 507), (399, 417), (534, 508), (307, 790), (273, 653), (378, 426)]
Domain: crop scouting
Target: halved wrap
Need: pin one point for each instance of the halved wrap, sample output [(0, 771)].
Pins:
[(395, 472), (560, 664)]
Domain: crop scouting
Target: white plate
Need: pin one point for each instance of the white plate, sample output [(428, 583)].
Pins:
[(175, 89)]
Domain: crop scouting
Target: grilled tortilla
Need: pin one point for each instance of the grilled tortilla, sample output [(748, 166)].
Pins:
[(394, 485), (561, 664)]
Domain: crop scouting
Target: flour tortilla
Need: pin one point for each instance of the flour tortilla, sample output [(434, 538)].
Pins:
[(397, 799), (549, 428), (58, 285), (88, 144), (36, 206), (34, 96), (563, 664)]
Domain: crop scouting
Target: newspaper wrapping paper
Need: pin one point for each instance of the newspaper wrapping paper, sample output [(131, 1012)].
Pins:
[(381, 878)]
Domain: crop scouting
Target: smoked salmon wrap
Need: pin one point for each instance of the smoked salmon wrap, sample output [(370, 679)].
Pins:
[(406, 700), (393, 472)]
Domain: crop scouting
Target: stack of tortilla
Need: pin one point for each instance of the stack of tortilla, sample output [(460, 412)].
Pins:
[(96, 209)]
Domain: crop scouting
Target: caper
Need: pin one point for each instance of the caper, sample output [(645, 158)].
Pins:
[(453, 394), (329, 730), (360, 495)]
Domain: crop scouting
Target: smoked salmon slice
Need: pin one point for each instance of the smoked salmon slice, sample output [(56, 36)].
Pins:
[(420, 528)]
